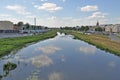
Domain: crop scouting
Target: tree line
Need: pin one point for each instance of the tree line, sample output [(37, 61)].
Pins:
[(83, 28), (27, 26)]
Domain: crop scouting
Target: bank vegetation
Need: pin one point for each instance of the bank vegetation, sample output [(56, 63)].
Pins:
[(100, 41), (9, 44)]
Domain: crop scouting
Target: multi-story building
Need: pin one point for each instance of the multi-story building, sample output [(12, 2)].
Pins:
[(113, 28), (6, 25)]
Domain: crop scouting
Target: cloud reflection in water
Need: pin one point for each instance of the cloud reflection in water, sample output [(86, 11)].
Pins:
[(50, 49), (112, 64), (55, 76), (33, 76), (63, 58), (37, 61), (41, 60), (88, 49)]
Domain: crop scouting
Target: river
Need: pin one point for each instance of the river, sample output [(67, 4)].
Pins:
[(60, 58)]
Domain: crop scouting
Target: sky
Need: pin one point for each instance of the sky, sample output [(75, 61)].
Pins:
[(60, 13)]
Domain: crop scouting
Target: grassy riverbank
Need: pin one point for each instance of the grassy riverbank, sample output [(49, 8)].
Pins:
[(9, 44), (118, 36), (100, 41)]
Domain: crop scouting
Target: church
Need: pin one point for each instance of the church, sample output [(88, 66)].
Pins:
[(92, 28)]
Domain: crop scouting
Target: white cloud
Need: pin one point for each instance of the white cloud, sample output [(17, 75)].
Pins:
[(63, 0), (18, 8), (67, 18), (97, 15), (8, 17), (33, 3), (44, 0), (89, 8), (30, 16), (54, 21), (51, 7), (5, 15), (117, 20), (52, 18)]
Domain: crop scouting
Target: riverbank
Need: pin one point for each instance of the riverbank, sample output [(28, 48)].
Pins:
[(9, 44), (101, 41)]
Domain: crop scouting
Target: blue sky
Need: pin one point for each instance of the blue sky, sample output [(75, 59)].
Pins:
[(56, 13)]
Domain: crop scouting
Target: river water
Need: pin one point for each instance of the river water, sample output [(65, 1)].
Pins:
[(60, 58)]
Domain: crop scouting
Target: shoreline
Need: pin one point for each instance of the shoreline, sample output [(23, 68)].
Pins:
[(7, 45), (100, 41)]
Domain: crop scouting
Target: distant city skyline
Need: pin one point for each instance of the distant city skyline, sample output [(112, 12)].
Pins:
[(57, 13)]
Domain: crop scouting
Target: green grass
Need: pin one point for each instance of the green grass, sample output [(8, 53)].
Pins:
[(100, 41), (118, 36), (9, 44)]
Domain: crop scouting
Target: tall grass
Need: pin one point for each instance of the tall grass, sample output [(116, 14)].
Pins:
[(9, 44), (101, 41)]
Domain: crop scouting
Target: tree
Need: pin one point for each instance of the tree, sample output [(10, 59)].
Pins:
[(20, 24), (84, 28), (46, 27), (27, 26), (99, 29), (77, 27)]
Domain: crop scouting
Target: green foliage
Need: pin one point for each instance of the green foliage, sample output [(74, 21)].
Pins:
[(9, 66), (9, 44), (20, 24), (99, 29), (84, 28), (27, 26)]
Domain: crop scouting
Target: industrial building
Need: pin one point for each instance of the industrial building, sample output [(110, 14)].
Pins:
[(7, 27)]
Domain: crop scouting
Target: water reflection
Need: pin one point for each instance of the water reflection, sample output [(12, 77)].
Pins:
[(50, 49), (9, 66), (55, 76), (112, 64), (60, 34), (63, 58), (41, 60), (88, 49), (70, 60), (37, 61), (33, 76)]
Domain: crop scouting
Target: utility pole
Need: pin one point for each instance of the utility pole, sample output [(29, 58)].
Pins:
[(35, 21), (35, 24)]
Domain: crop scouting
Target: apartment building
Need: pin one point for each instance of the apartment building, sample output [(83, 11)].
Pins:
[(113, 28)]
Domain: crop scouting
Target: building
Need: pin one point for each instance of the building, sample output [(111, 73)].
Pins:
[(6, 25), (113, 28), (92, 28), (97, 24), (108, 27), (116, 28)]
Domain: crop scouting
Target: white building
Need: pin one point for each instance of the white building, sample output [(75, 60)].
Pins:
[(6, 25), (113, 28), (116, 28)]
